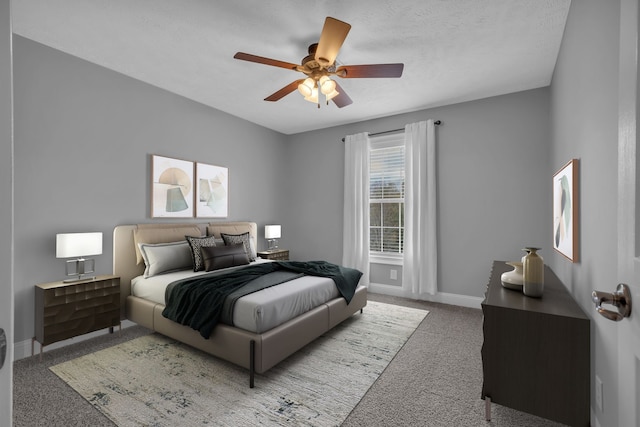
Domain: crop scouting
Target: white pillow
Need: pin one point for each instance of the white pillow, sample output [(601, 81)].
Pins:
[(165, 257), (254, 253)]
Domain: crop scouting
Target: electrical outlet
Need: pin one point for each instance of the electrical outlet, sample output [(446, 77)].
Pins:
[(394, 275), (599, 389)]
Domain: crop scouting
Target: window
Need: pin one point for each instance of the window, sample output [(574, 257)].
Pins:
[(386, 196)]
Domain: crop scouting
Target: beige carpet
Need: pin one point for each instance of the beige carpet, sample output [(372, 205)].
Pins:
[(155, 381)]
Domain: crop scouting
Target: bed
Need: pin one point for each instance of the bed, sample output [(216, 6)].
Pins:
[(256, 345)]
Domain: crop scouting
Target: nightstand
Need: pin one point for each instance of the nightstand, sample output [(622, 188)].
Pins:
[(67, 310), (276, 254)]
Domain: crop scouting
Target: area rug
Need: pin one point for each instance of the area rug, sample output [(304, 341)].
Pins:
[(156, 381)]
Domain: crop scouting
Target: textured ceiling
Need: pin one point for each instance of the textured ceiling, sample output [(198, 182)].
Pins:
[(453, 50)]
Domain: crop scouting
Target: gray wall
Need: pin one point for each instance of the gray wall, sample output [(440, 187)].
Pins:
[(84, 136), (584, 117), (493, 186), (6, 207)]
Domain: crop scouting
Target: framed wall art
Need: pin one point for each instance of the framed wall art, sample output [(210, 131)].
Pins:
[(212, 191), (171, 187), (565, 210)]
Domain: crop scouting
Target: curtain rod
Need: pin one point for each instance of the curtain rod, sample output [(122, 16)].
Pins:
[(437, 123)]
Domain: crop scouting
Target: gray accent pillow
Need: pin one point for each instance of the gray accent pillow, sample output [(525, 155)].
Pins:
[(197, 243), (162, 258), (234, 239), (217, 257)]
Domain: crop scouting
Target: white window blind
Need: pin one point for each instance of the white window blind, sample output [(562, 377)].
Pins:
[(386, 195)]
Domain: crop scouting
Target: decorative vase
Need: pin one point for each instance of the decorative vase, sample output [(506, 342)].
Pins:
[(533, 273), (513, 279)]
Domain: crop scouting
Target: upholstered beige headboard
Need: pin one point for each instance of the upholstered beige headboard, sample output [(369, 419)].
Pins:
[(126, 260)]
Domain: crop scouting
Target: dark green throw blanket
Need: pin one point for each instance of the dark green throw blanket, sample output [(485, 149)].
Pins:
[(198, 302)]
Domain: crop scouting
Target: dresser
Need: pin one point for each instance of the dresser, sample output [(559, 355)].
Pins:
[(536, 351), (66, 310)]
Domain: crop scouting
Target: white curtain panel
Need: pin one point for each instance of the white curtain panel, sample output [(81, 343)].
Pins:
[(355, 244), (420, 264)]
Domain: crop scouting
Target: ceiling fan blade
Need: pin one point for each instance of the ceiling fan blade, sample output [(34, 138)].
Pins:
[(266, 61), (284, 91), (342, 99), (333, 34), (370, 71)]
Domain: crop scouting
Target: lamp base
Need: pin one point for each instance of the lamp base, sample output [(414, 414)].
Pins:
[(82, 268), (79, 279)]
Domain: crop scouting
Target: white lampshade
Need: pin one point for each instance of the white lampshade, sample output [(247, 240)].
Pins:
[(70, 245), (271, 231)]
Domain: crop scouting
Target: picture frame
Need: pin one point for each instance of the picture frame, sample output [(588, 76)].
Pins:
[(212, 191), (172, 193), (565, 210)]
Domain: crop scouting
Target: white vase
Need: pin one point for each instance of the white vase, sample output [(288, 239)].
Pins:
[(513, 279), (533, 273)]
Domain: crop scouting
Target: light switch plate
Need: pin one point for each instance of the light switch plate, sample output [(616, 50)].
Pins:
[(599, 393)]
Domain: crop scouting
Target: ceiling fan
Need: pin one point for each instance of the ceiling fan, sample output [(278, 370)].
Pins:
[(320, 65)]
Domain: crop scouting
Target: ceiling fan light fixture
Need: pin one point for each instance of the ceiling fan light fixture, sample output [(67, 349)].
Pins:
[(326, 85), (304, 90), (313, 97), (306, 87)]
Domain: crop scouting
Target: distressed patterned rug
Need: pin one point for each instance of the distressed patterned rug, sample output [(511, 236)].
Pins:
[(156, 381)]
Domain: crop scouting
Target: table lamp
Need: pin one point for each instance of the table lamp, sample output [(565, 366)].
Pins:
[(272, 234), (78, 245)]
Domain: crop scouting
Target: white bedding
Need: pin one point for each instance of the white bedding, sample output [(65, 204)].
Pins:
[(257, 312)]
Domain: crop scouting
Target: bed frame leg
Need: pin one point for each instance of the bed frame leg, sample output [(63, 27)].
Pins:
[(487, 408), (252, 362)]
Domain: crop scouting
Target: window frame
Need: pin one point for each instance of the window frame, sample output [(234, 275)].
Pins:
[(380, 142)]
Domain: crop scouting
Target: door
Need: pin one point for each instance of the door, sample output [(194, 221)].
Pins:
[(6, 213), (628, 221)]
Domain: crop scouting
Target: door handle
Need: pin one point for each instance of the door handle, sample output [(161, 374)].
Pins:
[(3, 347), (621, 299)]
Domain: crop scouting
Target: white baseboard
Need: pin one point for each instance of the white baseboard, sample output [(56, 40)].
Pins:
[(441, 297), (23, 349)]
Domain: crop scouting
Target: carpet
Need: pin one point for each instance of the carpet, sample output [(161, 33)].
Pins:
[(156, 381)]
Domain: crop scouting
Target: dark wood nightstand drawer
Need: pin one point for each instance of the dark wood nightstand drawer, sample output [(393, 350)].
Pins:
[(276, 254)]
